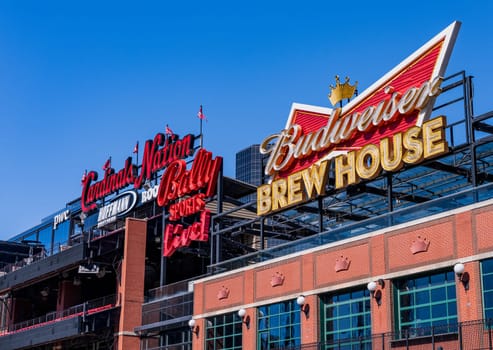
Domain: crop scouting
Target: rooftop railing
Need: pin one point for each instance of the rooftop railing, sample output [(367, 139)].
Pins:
[(57, 248), (401, 216)]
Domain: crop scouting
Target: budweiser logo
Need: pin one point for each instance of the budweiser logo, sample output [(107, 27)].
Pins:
[(401, 99)]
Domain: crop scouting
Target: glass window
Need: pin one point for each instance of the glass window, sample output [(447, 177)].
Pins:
[(91, 221), (31, 237), (426, 303), (176, 339), (45, 238), (224, 332), (487, 282), (346, 319), (61, 235), (279, 325)]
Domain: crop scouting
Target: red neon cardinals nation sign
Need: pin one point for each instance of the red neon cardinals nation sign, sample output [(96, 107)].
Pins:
[(158, 154), (388, 110)]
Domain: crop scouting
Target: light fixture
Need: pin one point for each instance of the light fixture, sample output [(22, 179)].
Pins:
[(244, 317), (376, 294), (462, 275), (194, 328), (305, 308), (45, 292), (372, 286), (76, 281)]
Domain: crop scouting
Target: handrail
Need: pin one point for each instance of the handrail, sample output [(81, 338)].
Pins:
[(86, 308)]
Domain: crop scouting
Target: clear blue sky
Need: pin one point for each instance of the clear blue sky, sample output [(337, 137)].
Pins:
[(84, 80)]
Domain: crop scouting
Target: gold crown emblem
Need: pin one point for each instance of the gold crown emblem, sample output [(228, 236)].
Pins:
[(341, 91), (277, 279), (420, 245), (223, 293), (342, 264)]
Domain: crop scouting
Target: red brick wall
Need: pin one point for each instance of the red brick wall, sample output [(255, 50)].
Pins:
[(358, 257), (482, 225), (441, 238), (131, 290), (289, 270), (451, 239), (234, 286)]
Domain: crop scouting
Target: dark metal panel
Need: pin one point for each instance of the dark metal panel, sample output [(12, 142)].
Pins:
[(40, 335), (41, 268)]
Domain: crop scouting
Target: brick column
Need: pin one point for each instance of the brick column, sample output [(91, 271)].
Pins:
[(198, 334), (250, 331), (131, 290), (469, 302), (381, 320), (310, 320), (381, 315)]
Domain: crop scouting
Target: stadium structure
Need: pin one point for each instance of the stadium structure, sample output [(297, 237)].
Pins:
[(371, 230)]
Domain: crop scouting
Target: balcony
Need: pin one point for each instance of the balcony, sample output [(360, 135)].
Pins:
[(76, 321), (36, 267), (169, 306)]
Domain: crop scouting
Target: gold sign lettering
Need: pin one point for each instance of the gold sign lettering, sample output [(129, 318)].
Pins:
[(290, 144), (283, 193), (407, 148)]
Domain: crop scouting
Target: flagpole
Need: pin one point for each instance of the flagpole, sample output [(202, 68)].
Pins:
[(201, 135)]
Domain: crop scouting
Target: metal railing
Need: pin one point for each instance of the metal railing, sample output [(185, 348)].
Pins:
[(169, 290), (472, 335), (87, 308), (183, 346), (433, 207), (169, 309), (57, 248)]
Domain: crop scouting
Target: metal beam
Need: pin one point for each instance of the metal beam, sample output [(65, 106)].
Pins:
[(448, 168)]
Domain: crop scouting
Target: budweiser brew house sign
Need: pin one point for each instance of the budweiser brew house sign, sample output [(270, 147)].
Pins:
[(382, 129), (181, 192)]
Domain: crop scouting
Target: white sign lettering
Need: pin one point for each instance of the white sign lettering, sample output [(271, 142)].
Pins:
[(59, 218)]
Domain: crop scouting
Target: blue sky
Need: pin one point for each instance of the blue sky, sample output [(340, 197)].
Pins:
[(84, 80)]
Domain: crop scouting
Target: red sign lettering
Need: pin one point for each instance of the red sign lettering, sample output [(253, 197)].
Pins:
[(176, 236), (112, 182), (198, 183), (156, 158), (187, 207), (158, 154), (177, 181)]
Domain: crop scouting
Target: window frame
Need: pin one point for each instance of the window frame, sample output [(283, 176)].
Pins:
[(417, 289), (232, 330), (346, 299)]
